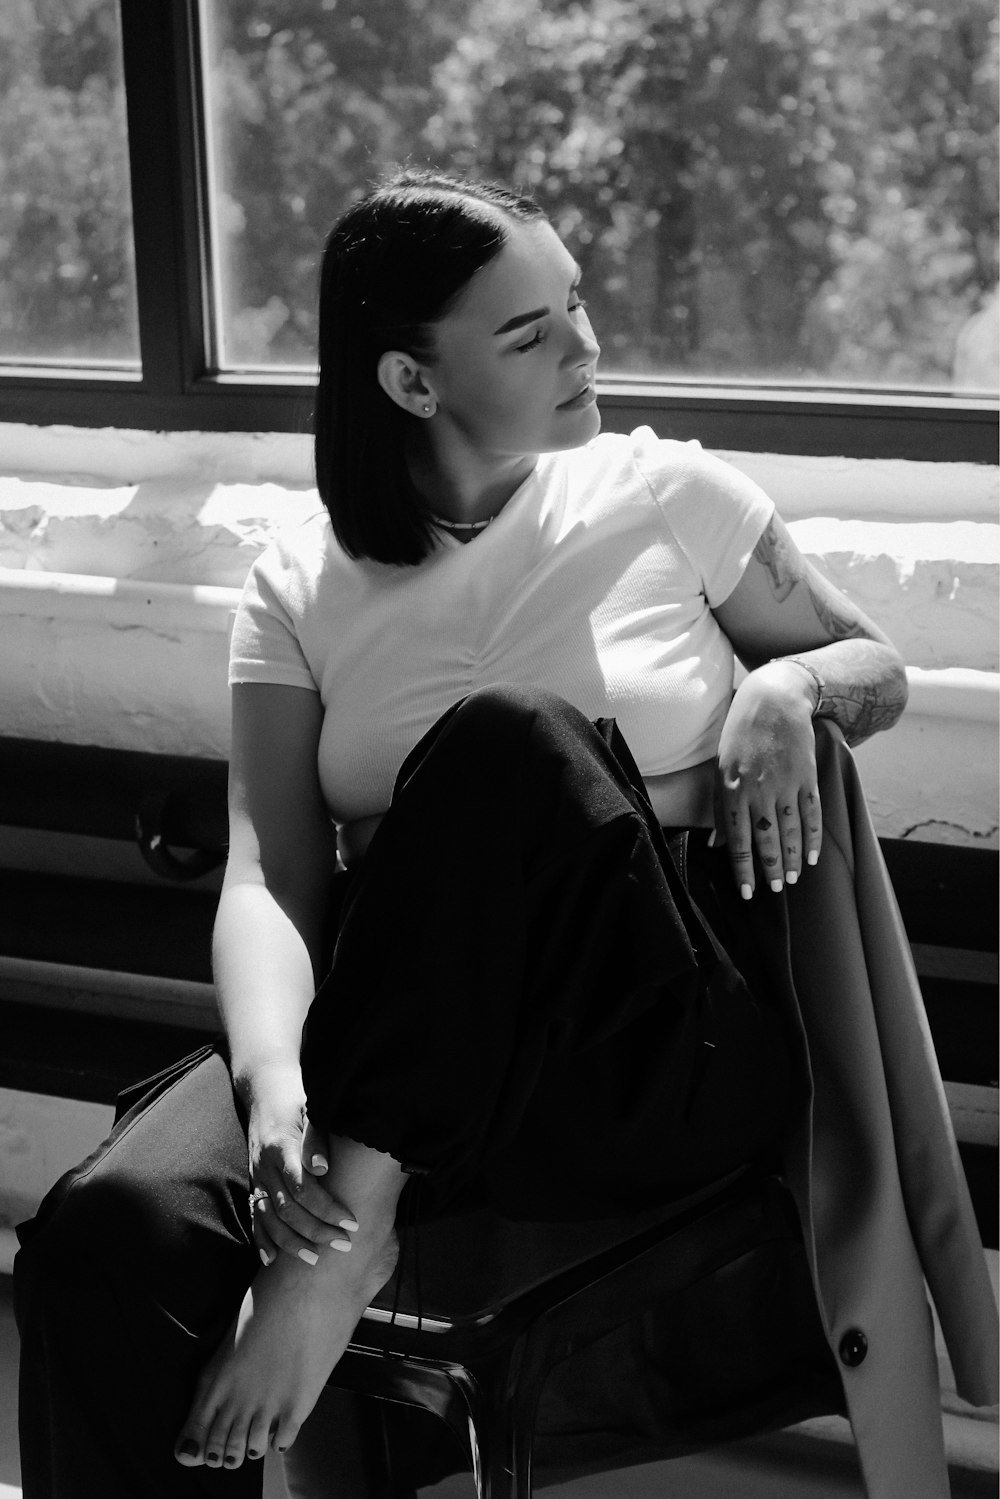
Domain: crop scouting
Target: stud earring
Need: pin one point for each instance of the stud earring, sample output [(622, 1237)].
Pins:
[(427, 411)]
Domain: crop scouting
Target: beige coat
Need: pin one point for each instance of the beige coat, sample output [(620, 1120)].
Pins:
[(872, 1160)]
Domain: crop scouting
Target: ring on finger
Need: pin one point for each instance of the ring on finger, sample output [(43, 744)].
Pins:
[(258, 1195)]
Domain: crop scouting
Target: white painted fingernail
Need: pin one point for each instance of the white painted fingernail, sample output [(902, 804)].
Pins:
[(320, 1163), (812, 857), (777, 886), (711, 839), (342, 1244), (350, 1224), (746, 892), (264, 1258), (308, 1256), (792, 877)]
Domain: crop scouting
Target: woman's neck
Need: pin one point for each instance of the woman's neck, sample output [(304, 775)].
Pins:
[(466, 487)]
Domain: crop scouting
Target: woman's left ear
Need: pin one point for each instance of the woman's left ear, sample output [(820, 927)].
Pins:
[(403, 381)]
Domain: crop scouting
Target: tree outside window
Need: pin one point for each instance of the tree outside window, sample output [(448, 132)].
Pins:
[(776, 190), (67, 287), (786, 192)]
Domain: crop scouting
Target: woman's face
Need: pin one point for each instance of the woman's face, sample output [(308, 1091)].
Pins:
[(515, 358)]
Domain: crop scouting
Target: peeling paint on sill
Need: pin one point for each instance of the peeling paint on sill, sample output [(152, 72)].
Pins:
[(923, 831)]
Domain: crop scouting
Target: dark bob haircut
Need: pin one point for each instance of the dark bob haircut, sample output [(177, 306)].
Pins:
[(394, 265)]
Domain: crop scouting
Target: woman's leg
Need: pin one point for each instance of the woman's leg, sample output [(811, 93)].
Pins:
[(295, 1320), (516, 906), (126, 1280), (521, 987), (478, 927)]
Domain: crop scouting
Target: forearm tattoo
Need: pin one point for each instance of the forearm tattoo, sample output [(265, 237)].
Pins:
[(862, 709), (865, 691)]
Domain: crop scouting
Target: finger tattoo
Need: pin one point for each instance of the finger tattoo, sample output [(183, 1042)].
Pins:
[(762, 824), (787, 812), (742, 858), (769, 861)]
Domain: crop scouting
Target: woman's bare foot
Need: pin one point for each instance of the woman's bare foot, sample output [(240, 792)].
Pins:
[(294, 1324)]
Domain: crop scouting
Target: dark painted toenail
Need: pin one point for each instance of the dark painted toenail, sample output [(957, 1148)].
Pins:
[(251, 1452), (230, 1462), (189, 1448)]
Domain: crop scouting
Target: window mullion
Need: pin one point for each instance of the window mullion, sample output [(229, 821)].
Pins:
[(158, 39)]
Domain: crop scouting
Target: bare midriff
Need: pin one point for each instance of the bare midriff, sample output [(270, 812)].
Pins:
[(680, 799), (683, 798)]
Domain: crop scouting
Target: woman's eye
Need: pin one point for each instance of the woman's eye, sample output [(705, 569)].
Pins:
[(533, 343)]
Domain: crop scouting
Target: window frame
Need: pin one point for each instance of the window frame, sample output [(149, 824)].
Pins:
[(178, 389)]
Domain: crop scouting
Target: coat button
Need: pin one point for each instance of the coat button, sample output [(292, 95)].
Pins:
[(853, 1347)]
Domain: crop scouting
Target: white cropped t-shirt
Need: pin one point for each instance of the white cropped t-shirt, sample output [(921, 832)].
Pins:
[(596, 581)]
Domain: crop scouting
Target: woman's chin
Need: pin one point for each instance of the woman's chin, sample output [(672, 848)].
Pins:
[(575, 428)]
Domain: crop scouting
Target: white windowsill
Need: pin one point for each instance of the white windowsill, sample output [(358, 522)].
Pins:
[(121, 554)]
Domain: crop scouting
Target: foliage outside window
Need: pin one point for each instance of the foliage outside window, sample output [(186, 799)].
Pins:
[(67, 286), (778, 190)]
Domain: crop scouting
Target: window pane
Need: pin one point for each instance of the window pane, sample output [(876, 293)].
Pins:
[(789, 191), (67, 290)]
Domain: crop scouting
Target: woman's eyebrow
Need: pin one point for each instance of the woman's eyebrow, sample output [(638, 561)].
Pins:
[(520, 320), (523, 318)]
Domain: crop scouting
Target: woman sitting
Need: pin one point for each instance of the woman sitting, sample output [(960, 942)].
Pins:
[(486, 674)]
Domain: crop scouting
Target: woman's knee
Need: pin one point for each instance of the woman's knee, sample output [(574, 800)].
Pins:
[(144, 1241), (508, 727), (104, 1211), (488, 736), (487, 708), (174, 1174)]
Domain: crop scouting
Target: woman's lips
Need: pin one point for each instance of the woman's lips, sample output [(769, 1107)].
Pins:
[(584, 397)]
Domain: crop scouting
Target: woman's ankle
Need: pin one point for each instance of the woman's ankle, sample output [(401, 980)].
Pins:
[(367, 1181)]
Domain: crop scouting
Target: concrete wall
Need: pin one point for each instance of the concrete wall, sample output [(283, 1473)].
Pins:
[(121, 553)]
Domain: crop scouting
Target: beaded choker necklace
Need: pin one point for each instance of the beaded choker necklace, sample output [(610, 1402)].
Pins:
[(463, 525)]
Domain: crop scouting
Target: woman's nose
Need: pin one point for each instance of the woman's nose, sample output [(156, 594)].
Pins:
[(585, 349)]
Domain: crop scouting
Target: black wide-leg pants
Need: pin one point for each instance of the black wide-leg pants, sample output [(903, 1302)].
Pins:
[(523, 1003)]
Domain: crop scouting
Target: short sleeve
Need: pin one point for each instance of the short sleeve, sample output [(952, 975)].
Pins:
[(715, 513), (265, 644)]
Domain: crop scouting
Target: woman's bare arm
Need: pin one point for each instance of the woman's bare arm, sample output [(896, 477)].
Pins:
[(282, 854), (783, 606), (808, 649), (269, 938)]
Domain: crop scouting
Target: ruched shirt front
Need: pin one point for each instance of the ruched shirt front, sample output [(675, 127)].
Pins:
[(596, 581)]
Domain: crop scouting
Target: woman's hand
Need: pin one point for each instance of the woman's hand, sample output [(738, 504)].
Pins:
[(291, 1209), (767, 797)]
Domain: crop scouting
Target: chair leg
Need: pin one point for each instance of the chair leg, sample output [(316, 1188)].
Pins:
[(504, 1424), (340, 1453)]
